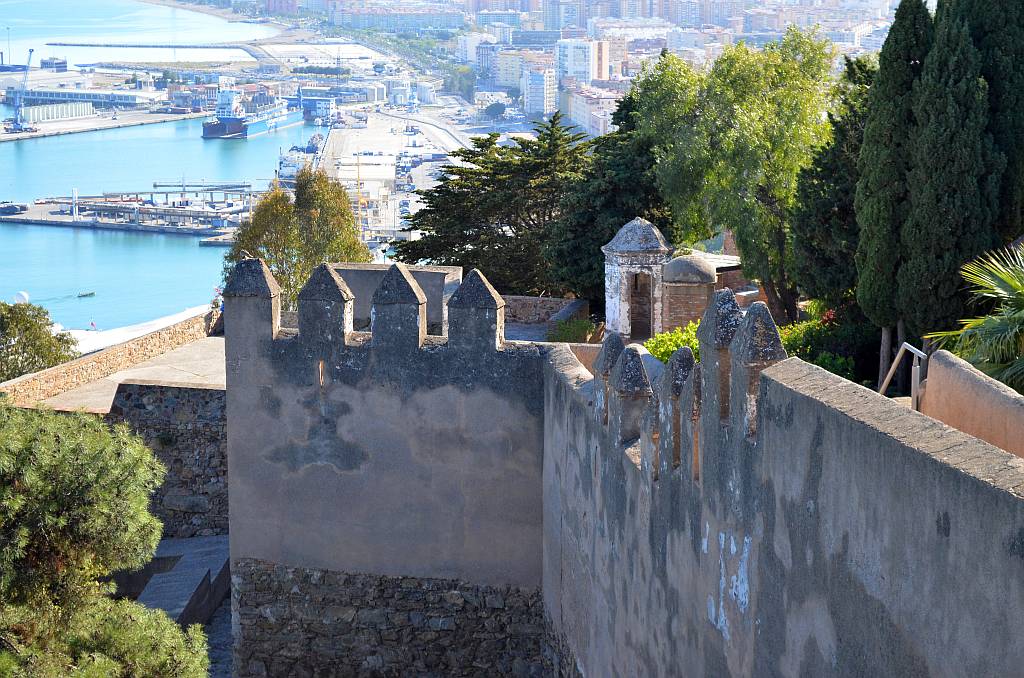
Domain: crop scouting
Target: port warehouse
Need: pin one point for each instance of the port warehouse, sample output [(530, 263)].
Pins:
[(101, 98)]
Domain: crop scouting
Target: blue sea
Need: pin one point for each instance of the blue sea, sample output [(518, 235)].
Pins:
[(136, 277), (34, 23)]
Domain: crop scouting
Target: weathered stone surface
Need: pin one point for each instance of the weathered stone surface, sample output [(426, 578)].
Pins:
[(398, 287), (757, 339), (28, 390), (690, 268), (638, 235), (325, 285), (476, 292), (629, 376), (721, 320), (611, 348), (303, 621), (251, 278), (185, 428)]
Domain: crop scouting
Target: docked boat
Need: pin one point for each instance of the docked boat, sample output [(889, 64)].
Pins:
[(239, 119)]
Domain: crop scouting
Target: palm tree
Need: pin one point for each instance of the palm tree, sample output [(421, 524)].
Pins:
[(993, 343)]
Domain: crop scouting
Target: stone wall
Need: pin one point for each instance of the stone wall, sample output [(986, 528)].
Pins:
[(185, 428), (532, 310), (399, 454), (30, 389), (800, 525), (319, 622), (957, 394)]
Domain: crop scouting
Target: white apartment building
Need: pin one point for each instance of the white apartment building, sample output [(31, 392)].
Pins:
[(582, 60), (540, 91), (465, 47)]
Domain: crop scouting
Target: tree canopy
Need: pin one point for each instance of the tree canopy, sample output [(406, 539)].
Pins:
[(733, 142), (27, 342), (495, 208), (294, 236), (997, 32), (953, 181), (74, 508), (882, 200), (825, 230)]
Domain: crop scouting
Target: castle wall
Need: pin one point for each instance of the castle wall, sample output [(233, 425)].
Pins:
[(829, 531), (185, 428), (30, 389), (963, 397), (409, 464)]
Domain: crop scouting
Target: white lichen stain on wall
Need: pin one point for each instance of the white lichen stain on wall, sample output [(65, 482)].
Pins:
[(735, 587)]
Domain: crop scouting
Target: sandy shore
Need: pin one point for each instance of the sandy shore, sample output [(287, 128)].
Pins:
[(201, 9)]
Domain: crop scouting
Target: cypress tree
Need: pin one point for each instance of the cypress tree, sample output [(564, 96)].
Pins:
[(825, 230), (882, 202), (954, 182), (997, 31)]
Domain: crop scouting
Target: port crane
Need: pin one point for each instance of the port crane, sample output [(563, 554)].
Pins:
[(18, 124)]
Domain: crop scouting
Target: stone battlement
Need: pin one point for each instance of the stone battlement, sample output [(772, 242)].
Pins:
[(398, 317), (401, 501)]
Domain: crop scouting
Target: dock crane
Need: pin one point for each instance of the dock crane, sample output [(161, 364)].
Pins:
[(18, 124)]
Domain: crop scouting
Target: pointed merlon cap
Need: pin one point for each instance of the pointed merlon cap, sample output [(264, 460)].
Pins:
[(629, 376), (476, 292), (398, 287), (678, 370), (721, 319), (690, 268), (758, 340), (638, 235), (611, 349), (252, 278), (325, 285)]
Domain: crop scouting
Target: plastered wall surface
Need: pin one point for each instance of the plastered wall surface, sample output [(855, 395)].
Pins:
[(748, 515), (831, 532)]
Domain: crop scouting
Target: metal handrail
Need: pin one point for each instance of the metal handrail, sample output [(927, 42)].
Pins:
[(915, 373)]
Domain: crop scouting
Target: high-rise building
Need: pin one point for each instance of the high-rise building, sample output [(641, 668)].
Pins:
[(466, 44), (578, 59), (540, 91)]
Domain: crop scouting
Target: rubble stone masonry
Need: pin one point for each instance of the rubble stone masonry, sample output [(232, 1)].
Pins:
[(184, 426), (305, 621)]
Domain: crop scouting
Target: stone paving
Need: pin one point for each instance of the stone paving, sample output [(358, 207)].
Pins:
[(200, 363)]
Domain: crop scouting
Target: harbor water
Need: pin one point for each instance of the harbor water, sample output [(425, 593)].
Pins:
[(33, 24), (136, 277)]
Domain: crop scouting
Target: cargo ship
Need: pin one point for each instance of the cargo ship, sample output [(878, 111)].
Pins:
[(239, 119)]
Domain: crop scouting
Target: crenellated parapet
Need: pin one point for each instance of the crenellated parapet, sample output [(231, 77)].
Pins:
[(688, 415), (475, 315)]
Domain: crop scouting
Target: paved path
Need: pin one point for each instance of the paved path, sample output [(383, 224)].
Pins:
[(201, 363)]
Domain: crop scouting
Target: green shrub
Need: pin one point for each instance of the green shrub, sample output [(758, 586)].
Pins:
[(835, 341), (28, 344), (663, 345), (74, 508), (841, 341), (572, 331)]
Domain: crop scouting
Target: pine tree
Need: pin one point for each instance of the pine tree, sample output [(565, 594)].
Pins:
[(997, 31), (954, 181), (496, 209), (882, 203), (825, 230)]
